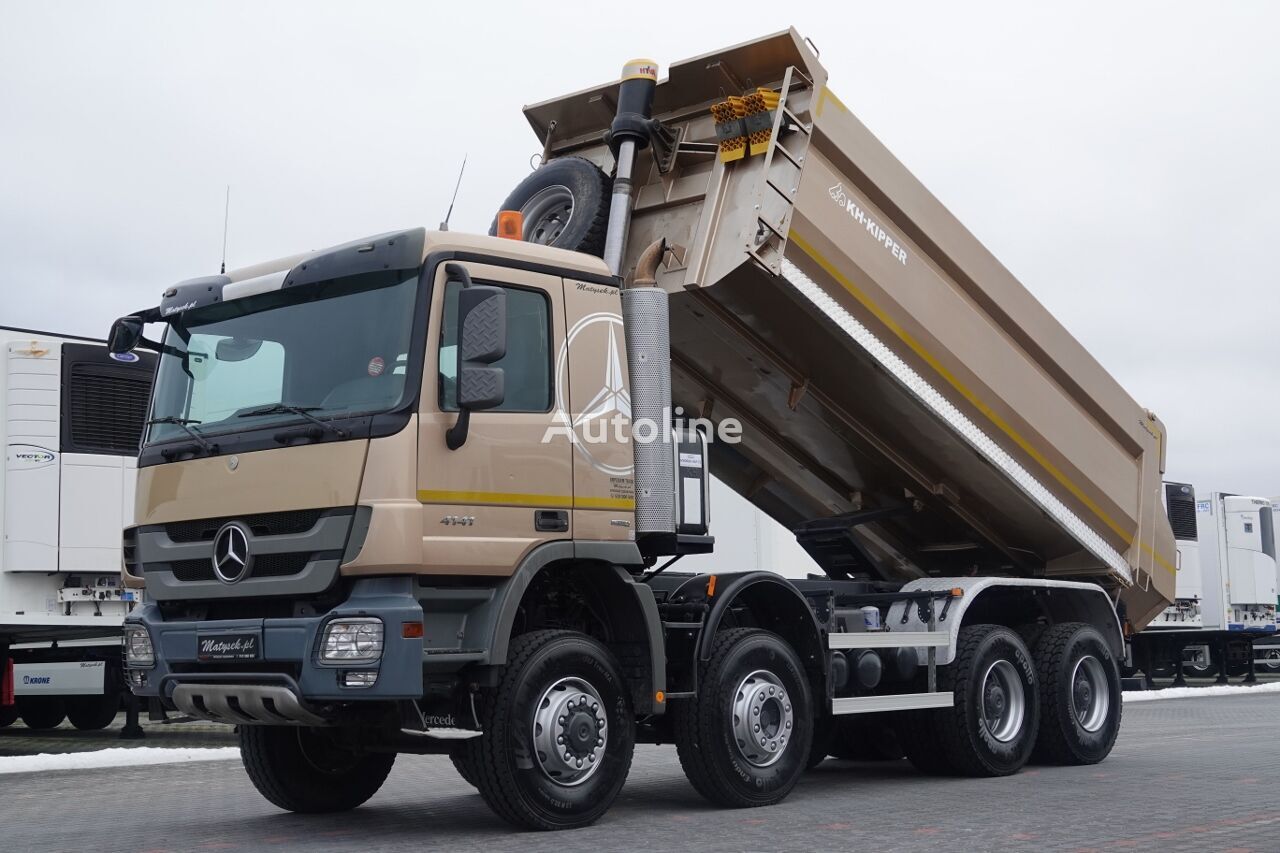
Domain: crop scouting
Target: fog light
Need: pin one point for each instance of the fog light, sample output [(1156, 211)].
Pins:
[(137, 678), (349, 640), (137, 646), (360, 678)]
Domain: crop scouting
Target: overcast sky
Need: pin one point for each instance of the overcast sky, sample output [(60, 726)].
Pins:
[(1120, 158)]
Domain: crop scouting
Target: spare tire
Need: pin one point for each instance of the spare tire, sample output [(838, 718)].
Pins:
[(564, 203)]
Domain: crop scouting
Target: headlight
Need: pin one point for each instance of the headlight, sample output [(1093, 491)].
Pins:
[(348, 640), (137, 646)]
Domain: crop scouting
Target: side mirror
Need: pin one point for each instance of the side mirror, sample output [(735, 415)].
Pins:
[(125, 335), (482, 340)]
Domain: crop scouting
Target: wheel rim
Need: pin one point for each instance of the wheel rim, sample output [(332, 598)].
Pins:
[(570, 731), (547, 214), (1272, 658), (1090, 693), (1004, 701), (763, 718)]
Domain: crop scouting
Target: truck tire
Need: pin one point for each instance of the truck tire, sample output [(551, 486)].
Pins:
[(1271, 656), (463, 761), (560, 690), (865, 738), (8, 715), (303, 769), (93, 713), (565, 203), (745, 740), (41, 712), (1080, 703), (991, 728)]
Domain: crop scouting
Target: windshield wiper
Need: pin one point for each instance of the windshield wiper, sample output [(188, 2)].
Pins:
[(300, 411), (208, 446)]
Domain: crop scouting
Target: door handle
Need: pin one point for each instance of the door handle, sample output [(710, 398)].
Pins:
[(551, 521)]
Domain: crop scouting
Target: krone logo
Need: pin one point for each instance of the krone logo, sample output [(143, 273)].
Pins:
[(231, 558), (603, 409)]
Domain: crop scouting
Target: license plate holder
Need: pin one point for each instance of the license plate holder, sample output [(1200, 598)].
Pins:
[(230, 645)]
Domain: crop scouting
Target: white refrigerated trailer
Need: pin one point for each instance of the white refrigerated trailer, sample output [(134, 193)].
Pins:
[(70, 418), (1226, 587)]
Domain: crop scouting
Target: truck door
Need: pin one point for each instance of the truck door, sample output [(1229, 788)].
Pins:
[(509, 487)]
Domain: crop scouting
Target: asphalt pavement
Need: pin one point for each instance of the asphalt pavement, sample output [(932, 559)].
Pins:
[(1192, 774)]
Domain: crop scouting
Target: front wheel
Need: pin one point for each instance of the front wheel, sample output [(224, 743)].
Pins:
[(745, 740), (8, 715), (558, 733), (1270, 658), (308, 770)]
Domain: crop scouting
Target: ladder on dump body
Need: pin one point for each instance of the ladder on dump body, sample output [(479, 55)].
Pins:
[(931, 640), (782, 167)]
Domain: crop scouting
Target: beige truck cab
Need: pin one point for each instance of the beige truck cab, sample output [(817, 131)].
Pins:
[(423, 492)]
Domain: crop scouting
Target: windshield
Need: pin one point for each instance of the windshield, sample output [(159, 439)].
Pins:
[(330, 349)]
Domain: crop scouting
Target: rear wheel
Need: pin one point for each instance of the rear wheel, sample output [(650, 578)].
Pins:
[(1270, 658), (558, 733), (41, 712), (564, 203), (8, 715), (991, 728), (1079, 695), (308, 770), (92, 713), (745, 740)]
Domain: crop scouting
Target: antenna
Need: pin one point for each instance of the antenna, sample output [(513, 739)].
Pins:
[(226, 217), (444, 226)]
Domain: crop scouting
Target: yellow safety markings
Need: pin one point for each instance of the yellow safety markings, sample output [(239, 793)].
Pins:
[(1004, 426), (449, 496)]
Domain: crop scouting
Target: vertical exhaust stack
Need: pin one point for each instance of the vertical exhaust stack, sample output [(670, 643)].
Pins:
[(628, 134), (645, 317)]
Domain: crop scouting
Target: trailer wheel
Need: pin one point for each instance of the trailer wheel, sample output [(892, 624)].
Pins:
[(558, 733), (1079, 694), (991, 728), (463, 759), (307, 770), (564, 203), (8, 715), (93, 713), (745, 740), (862, 738), (42, 712), (1271, 659)]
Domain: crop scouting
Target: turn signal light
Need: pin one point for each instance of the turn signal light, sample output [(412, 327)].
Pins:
[(411, 630), (511, 225)]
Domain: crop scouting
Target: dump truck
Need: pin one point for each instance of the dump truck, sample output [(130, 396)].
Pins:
[(71, 418), (421, 492)]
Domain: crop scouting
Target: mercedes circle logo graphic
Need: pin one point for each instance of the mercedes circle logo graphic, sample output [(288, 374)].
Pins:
[(231, 558)]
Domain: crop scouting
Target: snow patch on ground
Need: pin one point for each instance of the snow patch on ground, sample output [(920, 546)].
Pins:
[(115, 757), (1200, 692)]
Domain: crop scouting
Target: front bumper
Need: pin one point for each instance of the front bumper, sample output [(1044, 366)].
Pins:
[(288, 651)]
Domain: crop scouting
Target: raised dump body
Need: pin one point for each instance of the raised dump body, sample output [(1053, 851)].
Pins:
[(889, 372)]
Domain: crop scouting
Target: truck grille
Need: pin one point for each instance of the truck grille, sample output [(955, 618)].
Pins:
[(264, 566), (263, 524)]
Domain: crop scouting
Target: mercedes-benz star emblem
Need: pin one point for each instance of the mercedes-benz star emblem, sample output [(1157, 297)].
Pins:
[(231, 557)]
